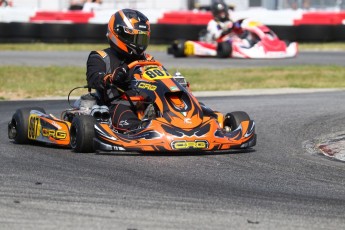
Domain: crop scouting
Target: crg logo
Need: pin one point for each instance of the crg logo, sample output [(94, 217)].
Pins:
[(198, 144), (56, 134), (143, 85)]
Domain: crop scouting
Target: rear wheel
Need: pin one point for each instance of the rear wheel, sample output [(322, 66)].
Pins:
[(82, 132), (19, 125), (224, 49), (233, 120), (178, 48)]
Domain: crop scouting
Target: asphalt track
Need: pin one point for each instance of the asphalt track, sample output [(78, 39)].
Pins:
[(78, 58), (284, 183)]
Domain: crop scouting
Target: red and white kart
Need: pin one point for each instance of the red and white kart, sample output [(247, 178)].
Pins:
[(251, 40)]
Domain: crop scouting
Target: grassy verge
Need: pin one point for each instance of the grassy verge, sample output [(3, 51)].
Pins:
[(87, 47), (31, 82)]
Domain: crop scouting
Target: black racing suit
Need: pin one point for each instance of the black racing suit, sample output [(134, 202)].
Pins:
[(100, 64)]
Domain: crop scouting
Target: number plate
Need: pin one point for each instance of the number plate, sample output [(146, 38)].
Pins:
[(155, 72)]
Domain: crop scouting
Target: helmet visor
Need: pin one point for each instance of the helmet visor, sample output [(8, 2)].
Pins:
[(134, 36)]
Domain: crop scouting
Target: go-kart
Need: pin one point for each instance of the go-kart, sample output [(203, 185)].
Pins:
[(251, 39), (172, 120)]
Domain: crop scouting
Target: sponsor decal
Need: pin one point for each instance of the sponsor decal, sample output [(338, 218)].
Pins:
[(143, 85), (118, 148), (187, 121), (174, 88), (34, 127), (123, 123), (56, 125), (56, 134), (197, 144), (154, 72), (189, 48)]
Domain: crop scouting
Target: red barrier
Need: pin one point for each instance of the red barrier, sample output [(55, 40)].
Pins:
[(185, 17), (68, 16), (321, 18)]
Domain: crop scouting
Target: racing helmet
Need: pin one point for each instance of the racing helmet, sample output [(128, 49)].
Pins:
[(129, 32), (220, 10)]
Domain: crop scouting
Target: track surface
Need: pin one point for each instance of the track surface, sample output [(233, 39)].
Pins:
[(78, 58), (279, 185)]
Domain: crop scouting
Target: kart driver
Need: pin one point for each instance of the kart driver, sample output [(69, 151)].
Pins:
[(107, 71), (221, 24)]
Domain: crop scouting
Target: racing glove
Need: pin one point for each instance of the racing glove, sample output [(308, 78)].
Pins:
[(120, 75)]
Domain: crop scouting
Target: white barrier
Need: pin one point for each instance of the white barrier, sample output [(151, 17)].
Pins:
[(9, 14)]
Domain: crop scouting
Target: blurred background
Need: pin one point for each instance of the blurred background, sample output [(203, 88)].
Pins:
[(84, 20), (183, 4)]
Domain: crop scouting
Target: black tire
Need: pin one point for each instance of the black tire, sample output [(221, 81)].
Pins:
[(233, 120), (224, 49), (19, 125), (82, 132), (178, 48)]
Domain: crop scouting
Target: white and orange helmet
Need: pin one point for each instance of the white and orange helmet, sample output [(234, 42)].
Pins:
[(129, 32)]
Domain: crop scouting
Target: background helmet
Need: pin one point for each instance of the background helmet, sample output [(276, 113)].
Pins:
[(220, 10), (129, 32)]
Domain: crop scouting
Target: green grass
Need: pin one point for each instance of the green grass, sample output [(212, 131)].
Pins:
[(87, 47), (267, 77), (31, 82), (28, 82), (327, 46), (64, 47)]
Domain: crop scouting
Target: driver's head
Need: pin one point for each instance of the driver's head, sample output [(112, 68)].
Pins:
[(220, 10), (129, 32)]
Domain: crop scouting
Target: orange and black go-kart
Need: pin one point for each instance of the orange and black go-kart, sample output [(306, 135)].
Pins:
[(172, 120)]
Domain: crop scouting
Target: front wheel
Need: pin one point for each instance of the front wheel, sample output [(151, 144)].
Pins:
[(224, 49), (233, 120), (18, 128), (82, 133)]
